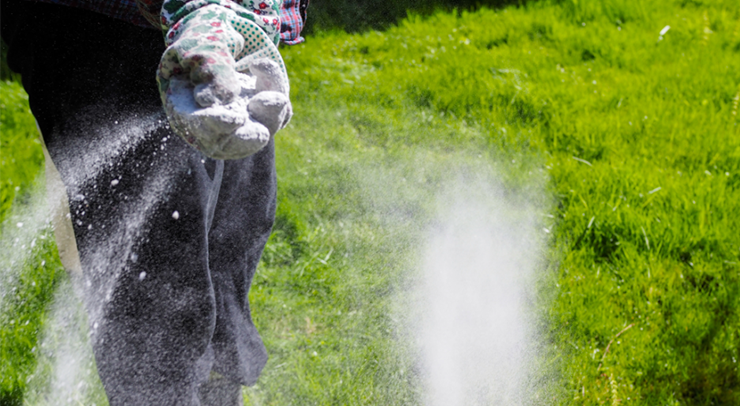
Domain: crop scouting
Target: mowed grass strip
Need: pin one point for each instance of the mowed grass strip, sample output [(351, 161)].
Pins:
[(637, 133)]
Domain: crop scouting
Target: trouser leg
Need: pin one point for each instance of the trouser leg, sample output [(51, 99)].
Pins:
[(140, 225), (147, 288), (139, 200), (248, 203), (220, 391)]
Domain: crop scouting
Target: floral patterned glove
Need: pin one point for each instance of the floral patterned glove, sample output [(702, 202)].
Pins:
[(215, 108)]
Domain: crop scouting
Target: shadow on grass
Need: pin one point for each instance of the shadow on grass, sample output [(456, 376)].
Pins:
[(363, 15)]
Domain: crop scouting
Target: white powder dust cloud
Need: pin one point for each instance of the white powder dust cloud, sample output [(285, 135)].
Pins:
[(65, 373), (475, 326), (20, 233)]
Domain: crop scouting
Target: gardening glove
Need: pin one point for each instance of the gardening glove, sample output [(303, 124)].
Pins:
[(222, 81)]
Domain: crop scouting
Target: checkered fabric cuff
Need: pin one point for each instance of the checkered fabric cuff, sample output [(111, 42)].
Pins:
[(292, 20)]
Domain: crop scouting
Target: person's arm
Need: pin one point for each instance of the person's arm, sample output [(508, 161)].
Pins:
[(209, 42)]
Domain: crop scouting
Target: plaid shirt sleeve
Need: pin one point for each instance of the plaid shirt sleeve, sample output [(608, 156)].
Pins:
[(292, 20)]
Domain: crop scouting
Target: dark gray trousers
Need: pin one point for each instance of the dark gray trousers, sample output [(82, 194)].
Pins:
[(168, 239)]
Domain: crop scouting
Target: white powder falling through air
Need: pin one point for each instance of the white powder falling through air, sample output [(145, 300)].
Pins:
[(475, 332), (20, 231), (65, 374)]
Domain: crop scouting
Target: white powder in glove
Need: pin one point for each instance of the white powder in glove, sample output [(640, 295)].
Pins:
[(228, 131)]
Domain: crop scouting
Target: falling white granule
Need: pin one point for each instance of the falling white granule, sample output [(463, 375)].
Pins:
[(114, 182), (175, 215), (142, 276)]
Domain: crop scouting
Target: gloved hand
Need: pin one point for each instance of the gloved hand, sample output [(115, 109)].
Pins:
[(212, 105)]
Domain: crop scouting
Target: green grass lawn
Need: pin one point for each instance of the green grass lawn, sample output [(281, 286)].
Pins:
[(633, 134)]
